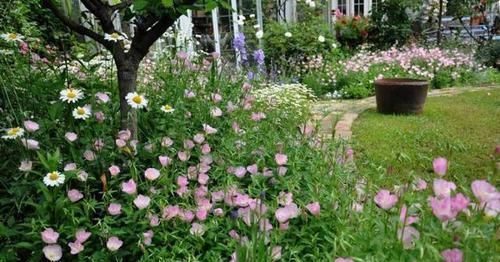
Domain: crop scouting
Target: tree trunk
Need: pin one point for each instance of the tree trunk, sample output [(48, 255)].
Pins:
[(127, 82)]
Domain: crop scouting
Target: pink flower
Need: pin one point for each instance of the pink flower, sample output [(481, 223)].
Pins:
[(120, 143), (188, 144), (217, 196), (89, 155), (443, 188), (284, 226), (164, 160), (307, 129), (440, 166), (342, 259), (258, 116), (209, 130), (285, 199), (484, 191), (281, 159), (82, 235), (406, 220), (49, 236), (314, 208), (114, 243), (253, 169), (183, 156), (76, 247), (52, 252), (216, 98), (148, 237), (199, 138), (70, 167), (203, 178), (240, 171), (114, 209), (114, 170), (385, 200), (218, 212), (23, 48), (420, 185), (124, 135), (197, 229), (166, 142), (30, 144), (205, 149), (71, 137), (25, 166), (152, 174), (409, 235), (447, 208), (82, 176), (282, 170), (201, 214), (452, 255), (182, 181), (216, 112), (129, 187), (31, 126), (99, 116), (74, 195), (357, 207), (102, 98), (170, 212), (286, 213), (276, 253), (187, 216), (154, 220), (246, 87), (141, 201)]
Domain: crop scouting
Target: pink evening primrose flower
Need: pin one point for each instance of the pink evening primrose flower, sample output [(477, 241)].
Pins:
[(71, 137), (75, 247), (74, 195), (114, 209), (209, 130), (114, 243), (142, 201), (286, 213), (52, 252), (152, 174), (164, 160), (385, 200), (197, 229), (484, 191), (281, 159), (49, 236), (314, 208), (452, 255), (31, 126), (114, 170), (440, 166), (343, 259), (443, 188), (82, 235), (129, 187)]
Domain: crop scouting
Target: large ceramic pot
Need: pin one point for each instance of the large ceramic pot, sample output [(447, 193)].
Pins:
[(400, 95)]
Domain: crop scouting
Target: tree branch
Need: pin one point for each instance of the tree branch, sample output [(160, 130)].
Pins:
[(49, 4), (102, 13), (124, 4)]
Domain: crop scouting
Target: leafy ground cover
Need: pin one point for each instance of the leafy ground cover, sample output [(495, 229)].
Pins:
[(464, 128)]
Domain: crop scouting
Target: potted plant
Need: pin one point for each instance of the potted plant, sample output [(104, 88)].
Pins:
[(400, 95)]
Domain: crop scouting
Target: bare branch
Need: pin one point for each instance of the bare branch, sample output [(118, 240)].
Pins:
[(49, 4), (102, 13)]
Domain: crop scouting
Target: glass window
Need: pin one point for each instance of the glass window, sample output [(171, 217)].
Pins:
[(342, 6), (359, 7)]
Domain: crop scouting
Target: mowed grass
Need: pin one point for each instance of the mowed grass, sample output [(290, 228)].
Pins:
[(464, 129)]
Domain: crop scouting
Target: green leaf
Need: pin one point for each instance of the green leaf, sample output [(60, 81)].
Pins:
[(167, 3), (140, 5), (210, 5)]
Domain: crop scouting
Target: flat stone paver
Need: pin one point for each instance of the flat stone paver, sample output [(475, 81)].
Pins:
[(337, 116)]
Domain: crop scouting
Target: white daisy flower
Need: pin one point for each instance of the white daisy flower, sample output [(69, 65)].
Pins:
[(288, 34), (13, 133), (82, 112), (12, 37), (136, 101), (53, 178), (321, 39), (70, 95), (167, 109), (259, 34), (114, 37)]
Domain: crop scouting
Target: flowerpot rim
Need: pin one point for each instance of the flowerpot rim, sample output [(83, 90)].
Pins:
[(401, 82)]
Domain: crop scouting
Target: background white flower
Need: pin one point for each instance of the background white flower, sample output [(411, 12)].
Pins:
[(82, 112), (13, 133), (70, 95), (167, 109), (54, 179), (321, 38), (288, 34), (114, 37), (136, 101), (11, 37), (259, 34)]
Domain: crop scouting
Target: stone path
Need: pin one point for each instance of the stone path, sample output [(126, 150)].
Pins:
[(337, 116)]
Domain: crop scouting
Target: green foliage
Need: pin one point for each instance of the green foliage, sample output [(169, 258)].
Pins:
[(352, 31), (489, 54), (390, 24)]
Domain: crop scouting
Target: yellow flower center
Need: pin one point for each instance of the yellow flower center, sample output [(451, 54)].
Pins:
[(12, 36), (115, 35), (13, 131), (167, 107), (80, 111), (71, 93), (137, 99), (53, 176)]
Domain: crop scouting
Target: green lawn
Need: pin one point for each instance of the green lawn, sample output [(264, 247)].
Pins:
[(463, 128)]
